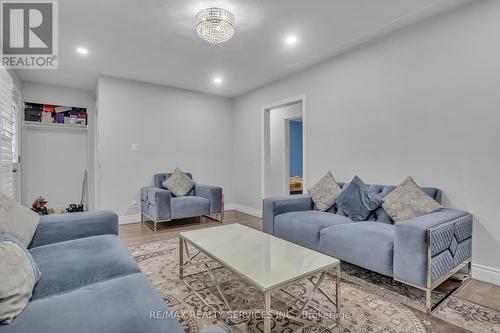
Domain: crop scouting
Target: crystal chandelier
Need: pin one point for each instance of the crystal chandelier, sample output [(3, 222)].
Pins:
[(215, 25)]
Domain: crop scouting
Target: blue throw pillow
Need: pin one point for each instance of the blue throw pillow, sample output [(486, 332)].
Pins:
[(357, 201)]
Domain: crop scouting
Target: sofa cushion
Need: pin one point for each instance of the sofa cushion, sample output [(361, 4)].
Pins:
[(76, 263), (304, 227), (190, 206), (357, 200), (64, 227), (365, 244), (126, 304), (325, 192), (179, 184), (408, 201), (17, 220)]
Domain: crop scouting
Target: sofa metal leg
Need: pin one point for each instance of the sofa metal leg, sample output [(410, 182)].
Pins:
[(428, 301)]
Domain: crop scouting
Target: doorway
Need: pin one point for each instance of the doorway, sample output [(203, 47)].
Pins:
[(283, 147), (294, 156)]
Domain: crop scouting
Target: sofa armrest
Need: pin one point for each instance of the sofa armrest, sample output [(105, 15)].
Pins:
[(62, 227), (272, 207), (428, 247), (155, 203), (213, 194)]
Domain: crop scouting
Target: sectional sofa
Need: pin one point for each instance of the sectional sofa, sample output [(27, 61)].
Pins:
[(89, 281), (422, 252)]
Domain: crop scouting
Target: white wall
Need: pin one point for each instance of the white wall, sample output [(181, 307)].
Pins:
[(423, 102), (54, 161), (172, 128), (277, 143)]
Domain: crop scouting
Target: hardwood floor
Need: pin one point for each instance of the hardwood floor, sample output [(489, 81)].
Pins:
[(138, 233), (478, 292)]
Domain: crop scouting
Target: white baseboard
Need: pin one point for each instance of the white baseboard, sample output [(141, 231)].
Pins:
[(127, 219), (486, 274), (244, 209)]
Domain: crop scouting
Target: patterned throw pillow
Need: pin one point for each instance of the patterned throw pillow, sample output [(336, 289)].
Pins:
[(408, 201), (357, 200), (19, 275), (17, 220), (325, 192), (178, 183)]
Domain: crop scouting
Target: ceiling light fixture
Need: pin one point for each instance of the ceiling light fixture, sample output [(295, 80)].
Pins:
[(290, 40), (217, 80), (215, 25), (82, 50)]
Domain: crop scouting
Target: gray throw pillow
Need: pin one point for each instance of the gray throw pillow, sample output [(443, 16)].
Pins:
[(357, 201), (17, 220), (178, 183), (325, 192), (408, 201), (19, 275)]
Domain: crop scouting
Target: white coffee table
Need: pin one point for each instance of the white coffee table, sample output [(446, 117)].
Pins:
[(267, 262)]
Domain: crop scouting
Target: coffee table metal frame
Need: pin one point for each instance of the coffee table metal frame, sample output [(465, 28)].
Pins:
[(183, 249)]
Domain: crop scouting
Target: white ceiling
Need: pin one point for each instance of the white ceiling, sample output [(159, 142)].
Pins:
[(155, 40)]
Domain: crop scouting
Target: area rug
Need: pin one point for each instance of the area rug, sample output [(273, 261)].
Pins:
[(370, 302)]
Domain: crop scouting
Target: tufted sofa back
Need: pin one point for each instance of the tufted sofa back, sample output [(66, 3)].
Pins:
[(379, 214), (159, 178), (434, 193)]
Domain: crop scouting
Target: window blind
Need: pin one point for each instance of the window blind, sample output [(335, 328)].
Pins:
[(7, 123)]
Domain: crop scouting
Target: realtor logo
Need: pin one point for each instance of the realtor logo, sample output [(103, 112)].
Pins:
[(29, 34)]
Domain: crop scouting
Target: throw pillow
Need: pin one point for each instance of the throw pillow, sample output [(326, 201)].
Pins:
[(408, 201), (17, 220), (357, 200), (178, 183), (325, 192), (19, 275)]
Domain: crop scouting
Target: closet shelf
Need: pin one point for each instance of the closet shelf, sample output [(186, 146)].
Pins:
[(32, 125)]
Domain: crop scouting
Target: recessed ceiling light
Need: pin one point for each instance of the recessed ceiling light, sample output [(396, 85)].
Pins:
[(217, 80), (82, 50), (290, 40)]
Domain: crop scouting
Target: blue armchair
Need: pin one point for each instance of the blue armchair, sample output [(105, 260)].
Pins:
[(160, 205)]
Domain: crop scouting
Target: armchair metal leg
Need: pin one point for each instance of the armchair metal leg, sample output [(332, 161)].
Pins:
[(217, 217), (152, 225)]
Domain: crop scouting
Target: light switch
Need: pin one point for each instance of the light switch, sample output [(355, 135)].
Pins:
[(135, 147)]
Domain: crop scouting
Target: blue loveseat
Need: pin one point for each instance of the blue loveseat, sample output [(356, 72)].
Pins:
[(89, 281), (422, 252)]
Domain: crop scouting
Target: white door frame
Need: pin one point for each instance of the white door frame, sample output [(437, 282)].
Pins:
[(265, 150)]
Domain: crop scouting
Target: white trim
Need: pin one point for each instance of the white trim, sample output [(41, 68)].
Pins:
[(486, 274), (230, 206), (127, 219), (243, 209), (265, 113)]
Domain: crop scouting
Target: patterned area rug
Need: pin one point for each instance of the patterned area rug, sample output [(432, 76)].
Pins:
[(370, 302)]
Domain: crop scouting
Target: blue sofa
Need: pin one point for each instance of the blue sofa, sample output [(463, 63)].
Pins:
[(89, 281), (160, 205), (422, 252)]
